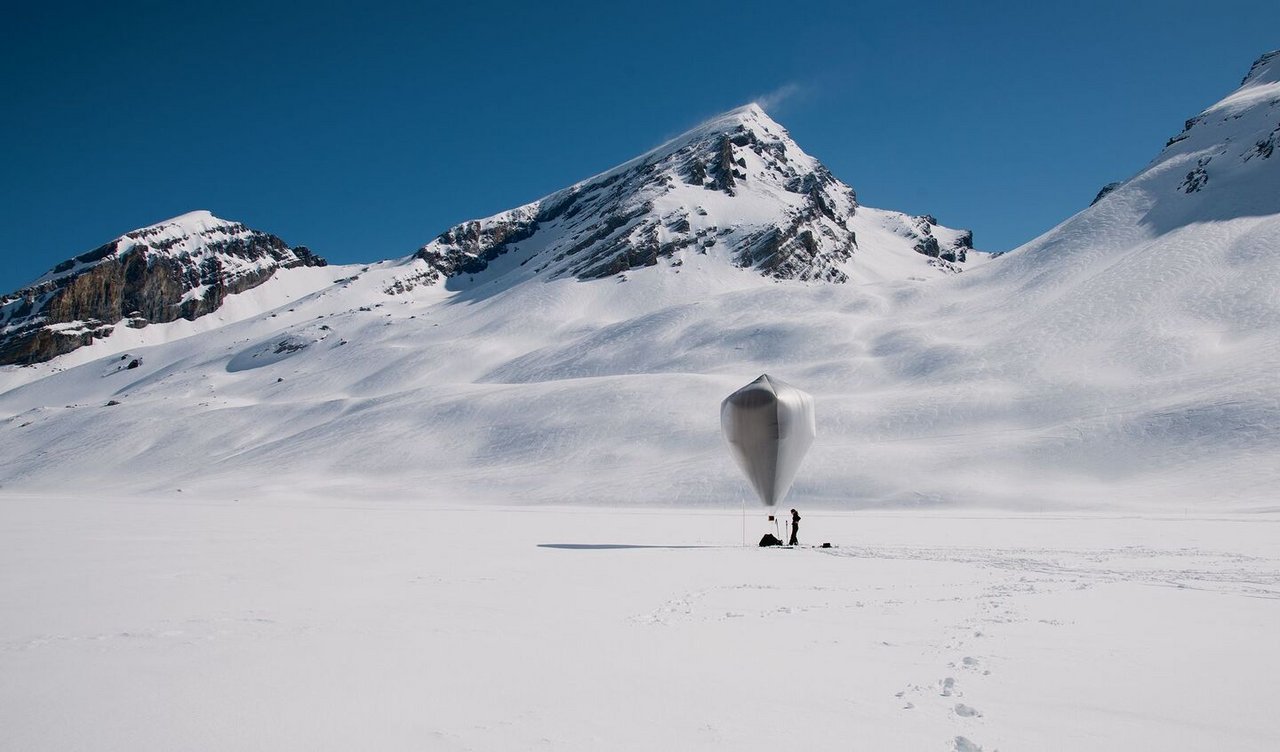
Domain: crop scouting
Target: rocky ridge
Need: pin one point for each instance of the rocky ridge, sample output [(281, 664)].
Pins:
[(736, 189), (737, 186), (1231, 141), (182, 268)]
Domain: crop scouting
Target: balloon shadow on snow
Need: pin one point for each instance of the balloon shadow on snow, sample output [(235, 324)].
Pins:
[(607, 546)]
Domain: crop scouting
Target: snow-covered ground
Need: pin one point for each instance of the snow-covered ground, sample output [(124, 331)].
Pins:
[(278, 624)]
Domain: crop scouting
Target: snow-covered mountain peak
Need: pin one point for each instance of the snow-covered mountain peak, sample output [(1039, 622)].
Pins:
[(1265, 70), (194, 234), (196, 220), (193, 223), (1260, 87), (735, 190), (1222, 164), (749, 117), (1192, 236), (1257, 97), (182, 267), (1223, 158), (749, 111)]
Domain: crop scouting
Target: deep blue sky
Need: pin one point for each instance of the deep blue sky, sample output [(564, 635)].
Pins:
[(364, 129)]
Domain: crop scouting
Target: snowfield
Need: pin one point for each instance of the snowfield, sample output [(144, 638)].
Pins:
[(270, 624), (366, 507)]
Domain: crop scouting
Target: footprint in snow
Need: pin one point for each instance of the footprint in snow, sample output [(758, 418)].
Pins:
[(964, 745), (947, 687), (964, 711)]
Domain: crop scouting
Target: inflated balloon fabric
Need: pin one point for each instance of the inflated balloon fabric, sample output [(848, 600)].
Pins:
[(769, 425)]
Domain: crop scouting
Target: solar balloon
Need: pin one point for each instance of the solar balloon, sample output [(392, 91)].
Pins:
[(769, 425)]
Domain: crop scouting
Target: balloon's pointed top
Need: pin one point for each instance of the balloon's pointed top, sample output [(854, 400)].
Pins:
[(773, 383)]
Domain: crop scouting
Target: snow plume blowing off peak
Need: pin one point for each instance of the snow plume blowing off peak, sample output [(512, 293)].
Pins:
[(736, 189)]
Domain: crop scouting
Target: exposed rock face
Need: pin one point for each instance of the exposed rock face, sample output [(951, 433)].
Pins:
[(1106, 189), (182, 268), (1197, 178), (1262, 68), (469, 247), (1232, 142), (939, 242)]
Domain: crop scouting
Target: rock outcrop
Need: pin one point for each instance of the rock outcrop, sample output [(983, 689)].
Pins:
[(1105, 191), (939, 242), (1230, 143), (180, 269)]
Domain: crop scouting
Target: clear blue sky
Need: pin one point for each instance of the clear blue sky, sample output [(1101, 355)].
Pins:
[(365, 129)]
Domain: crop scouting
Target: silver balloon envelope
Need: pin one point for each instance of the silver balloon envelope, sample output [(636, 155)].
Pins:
[(769, 425)]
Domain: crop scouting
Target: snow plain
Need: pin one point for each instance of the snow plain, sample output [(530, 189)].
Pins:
[(270, 624)]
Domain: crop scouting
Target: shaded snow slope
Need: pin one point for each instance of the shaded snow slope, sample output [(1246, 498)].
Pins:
[(1125, 358)]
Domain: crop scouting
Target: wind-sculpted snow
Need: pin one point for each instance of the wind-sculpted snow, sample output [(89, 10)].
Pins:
[(1126, 358)]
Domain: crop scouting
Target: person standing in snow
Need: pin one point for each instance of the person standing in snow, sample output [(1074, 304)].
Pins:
[(795, 527)]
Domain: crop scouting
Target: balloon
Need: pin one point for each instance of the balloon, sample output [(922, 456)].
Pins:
[(769, 425)]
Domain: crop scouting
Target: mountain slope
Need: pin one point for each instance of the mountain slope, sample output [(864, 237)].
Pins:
[(181, 268), (1126, 358), (1146, 325)]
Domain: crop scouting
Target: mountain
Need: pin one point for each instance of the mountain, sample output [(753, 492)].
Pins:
[(1143, 330), (183, 268), (576, 349), (736, 188)]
